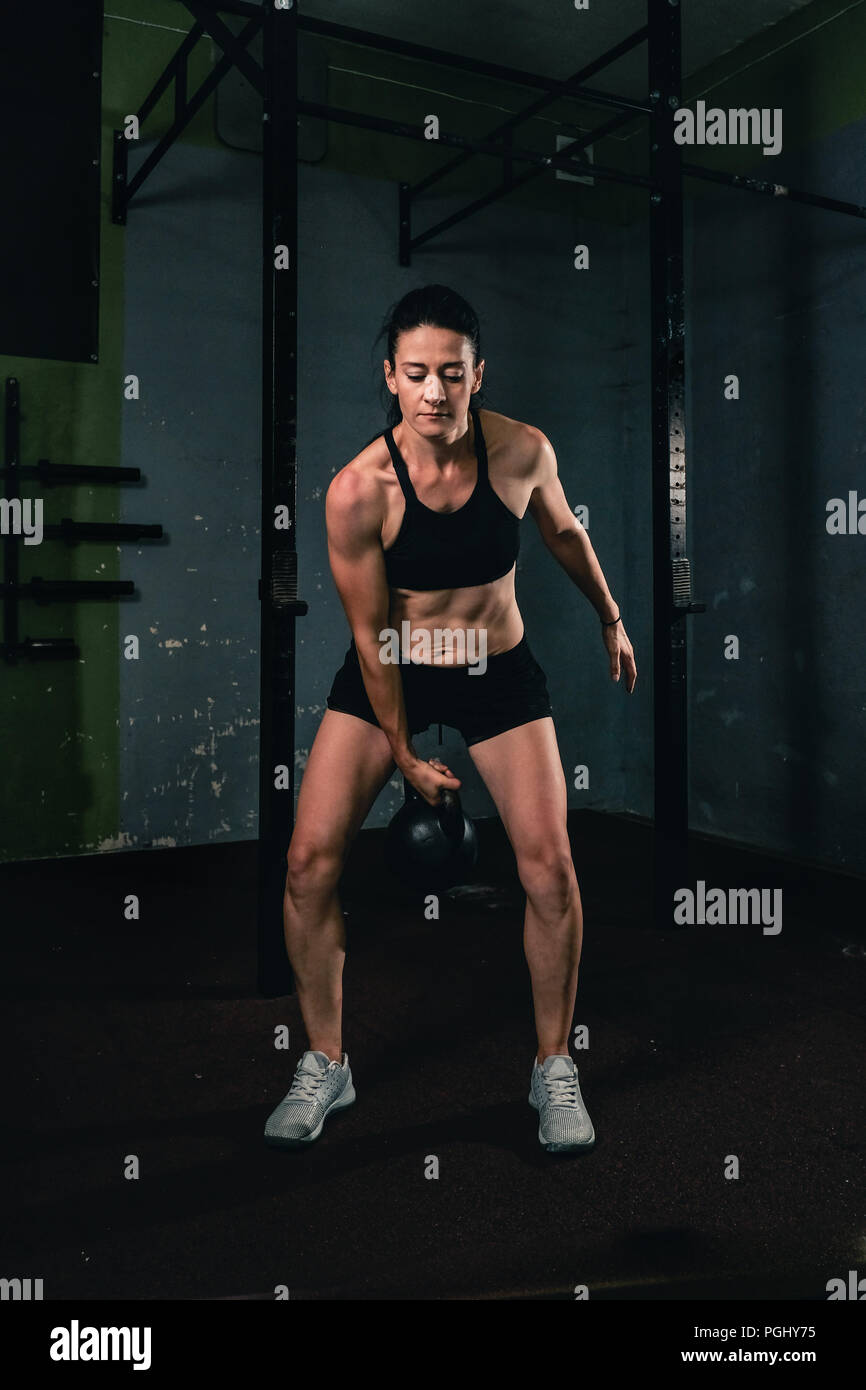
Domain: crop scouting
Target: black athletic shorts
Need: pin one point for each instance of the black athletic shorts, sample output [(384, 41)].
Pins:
[(512, 691)]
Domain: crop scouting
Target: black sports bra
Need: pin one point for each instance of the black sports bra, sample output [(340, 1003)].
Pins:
[(475, 544)]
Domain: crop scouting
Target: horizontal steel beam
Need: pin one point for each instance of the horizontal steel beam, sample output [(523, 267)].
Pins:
[(618, 50), (124, 190), (539, 104), (49, 474), (242, 8), (233, 47), (59, 590), (509, 184), (175, 69), (488, 147), (773, 190), (36, 647), (325, 29), (69, 530)]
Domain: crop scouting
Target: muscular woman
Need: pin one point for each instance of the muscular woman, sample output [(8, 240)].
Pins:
[(423, 530)]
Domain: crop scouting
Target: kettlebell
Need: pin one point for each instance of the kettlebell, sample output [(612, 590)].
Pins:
[(431, 847)]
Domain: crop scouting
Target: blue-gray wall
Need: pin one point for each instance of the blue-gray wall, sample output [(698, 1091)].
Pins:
[(555, 344), (189, 707), (777, 294), (552, 342)]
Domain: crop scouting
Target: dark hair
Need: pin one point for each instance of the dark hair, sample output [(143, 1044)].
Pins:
[(430, 306)]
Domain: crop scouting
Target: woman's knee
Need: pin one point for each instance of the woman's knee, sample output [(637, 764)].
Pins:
[(546, 871), (312, 866)]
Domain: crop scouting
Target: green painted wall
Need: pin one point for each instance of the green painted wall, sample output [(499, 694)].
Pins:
[(813, 62), (60, 792)]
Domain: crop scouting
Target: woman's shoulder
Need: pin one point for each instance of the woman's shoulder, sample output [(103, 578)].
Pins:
[(514, 441), (364, 477)]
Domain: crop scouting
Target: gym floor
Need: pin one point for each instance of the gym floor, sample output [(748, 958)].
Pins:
[(150, 1039)]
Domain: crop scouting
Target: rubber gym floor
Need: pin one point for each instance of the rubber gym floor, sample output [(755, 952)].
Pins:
[(148, 1038)]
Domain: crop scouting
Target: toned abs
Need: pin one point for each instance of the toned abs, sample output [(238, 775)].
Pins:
[(492, 606)]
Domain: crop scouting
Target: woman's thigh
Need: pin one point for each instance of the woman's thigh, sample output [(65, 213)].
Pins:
[(522, 770), (349, 763)]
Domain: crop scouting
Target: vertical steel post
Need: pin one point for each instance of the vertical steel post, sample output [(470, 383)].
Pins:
[(671, 594), (119, 178), (278, 588), (11, 490), (404, 228)]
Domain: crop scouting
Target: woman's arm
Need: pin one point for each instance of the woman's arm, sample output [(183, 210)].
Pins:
[(563, 534), (354, 512), (571, 547)]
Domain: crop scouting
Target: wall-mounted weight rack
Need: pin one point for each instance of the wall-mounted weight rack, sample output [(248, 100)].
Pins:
[(48, 474)]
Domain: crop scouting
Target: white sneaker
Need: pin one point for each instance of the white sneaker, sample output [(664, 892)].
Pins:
[(564, 1126), (320, 1086)]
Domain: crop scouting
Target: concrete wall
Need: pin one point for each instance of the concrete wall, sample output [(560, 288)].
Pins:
[(778, 296), (105, 753), (188, 732), (554, 342)]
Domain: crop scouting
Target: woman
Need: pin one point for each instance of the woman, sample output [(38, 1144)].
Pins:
[(423, 531)]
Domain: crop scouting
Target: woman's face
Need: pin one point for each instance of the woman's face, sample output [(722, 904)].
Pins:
[(433, 378)]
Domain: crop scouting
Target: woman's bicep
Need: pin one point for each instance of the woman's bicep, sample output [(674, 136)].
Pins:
[(355, 553)]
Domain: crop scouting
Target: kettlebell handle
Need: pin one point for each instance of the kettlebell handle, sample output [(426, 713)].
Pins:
[(450, 814), (448, 809)]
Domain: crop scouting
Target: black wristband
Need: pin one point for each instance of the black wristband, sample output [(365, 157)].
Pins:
[(610, 623)]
